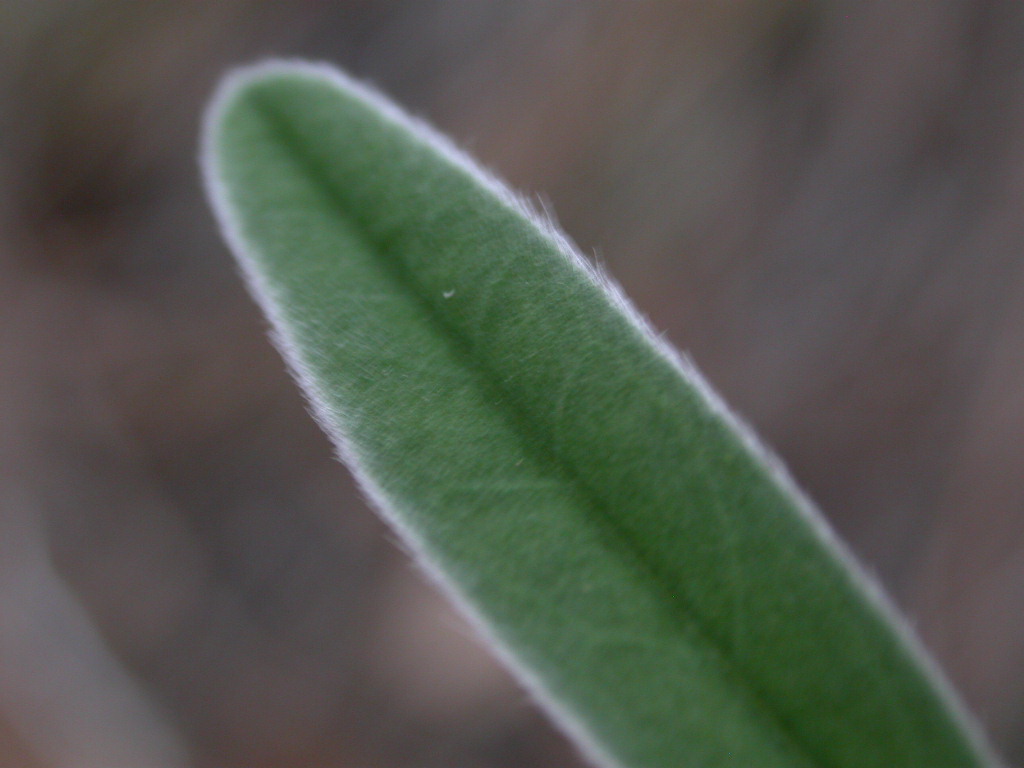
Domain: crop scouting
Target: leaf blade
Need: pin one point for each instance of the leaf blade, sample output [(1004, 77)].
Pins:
[(659, 578)]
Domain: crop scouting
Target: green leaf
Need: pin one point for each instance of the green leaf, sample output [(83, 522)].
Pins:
[(650, 572)]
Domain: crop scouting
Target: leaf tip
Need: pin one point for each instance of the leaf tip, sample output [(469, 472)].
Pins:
[(232, 89)]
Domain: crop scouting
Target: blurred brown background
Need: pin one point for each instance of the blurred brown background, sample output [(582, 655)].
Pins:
[(820, 201)]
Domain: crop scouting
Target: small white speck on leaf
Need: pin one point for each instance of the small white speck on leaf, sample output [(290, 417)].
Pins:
[(448, 294)]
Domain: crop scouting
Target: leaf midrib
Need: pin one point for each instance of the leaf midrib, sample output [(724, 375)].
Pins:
[(521, 423)]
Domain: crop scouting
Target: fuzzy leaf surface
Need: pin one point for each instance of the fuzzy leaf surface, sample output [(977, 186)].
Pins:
[(653, 576)]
